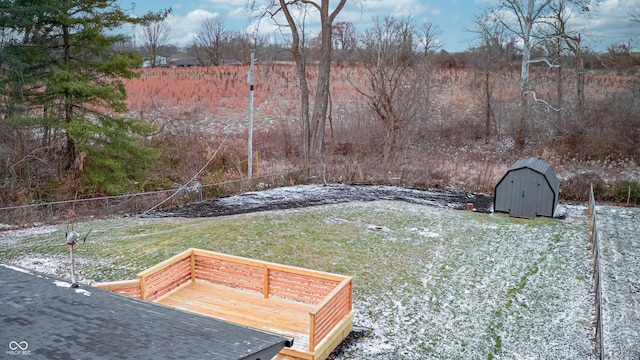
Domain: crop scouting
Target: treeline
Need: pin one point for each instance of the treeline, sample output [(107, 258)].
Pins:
[(407, 113)]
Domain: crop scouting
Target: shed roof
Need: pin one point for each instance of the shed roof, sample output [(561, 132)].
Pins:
[(47, 318), (538, 166)]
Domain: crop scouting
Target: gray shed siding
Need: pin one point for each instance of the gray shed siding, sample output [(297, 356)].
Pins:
[(530, 188)]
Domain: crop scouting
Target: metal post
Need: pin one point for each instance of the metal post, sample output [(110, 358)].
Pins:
[(73, 267), (250, 145), (71, 241)]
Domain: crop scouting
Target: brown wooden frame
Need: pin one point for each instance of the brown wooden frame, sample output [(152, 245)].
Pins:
[(330, 321)]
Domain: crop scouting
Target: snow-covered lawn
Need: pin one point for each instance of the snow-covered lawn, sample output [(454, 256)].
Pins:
[(487, 286), (619, 230), (428, 282)]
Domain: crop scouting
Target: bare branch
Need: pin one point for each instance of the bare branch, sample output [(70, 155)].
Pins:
[(536, 100), (544, 60)]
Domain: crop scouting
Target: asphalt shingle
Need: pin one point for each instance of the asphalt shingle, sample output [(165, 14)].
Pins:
[(46, 318)]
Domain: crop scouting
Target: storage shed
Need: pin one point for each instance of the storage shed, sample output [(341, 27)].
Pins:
[(530, 188)]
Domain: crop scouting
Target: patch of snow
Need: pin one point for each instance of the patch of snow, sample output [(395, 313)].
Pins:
[(12, 237), (63, 284), (17, 269), (55, 265), (561, 211), (83, 292), (575, 212), (424, 232), (335, 221), (378, 228), (314, 194)]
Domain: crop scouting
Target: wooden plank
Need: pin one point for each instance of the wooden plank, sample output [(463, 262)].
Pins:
[(265, 277), (327, 314), (346, 282), (166, 263), (114, 285), (272, 266), (312, 332), (192, 267), (129, 288), (154, 292), (303, 282), (339, 333), (244, 308), (229, 273)]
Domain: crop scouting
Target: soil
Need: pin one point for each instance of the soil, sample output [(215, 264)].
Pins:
[(310, 195)]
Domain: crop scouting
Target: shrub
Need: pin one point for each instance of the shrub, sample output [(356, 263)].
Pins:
[(576, 188), (625, 191)]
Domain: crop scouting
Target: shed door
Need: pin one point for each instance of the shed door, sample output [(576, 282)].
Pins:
[(525, 202)]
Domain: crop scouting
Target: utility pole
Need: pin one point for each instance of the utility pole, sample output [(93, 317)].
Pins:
[(133, 27), (250, 145)]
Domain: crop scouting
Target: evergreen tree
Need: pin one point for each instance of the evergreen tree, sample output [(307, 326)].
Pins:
[(62, 74)]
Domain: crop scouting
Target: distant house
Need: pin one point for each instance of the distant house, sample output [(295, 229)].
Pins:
[(186, 62), (161, 61), (530, 188)]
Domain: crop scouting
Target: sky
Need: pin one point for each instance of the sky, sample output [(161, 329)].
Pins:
[(608, 21)]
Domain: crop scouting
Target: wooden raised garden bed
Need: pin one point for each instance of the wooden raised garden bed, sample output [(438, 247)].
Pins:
[(312, 307)]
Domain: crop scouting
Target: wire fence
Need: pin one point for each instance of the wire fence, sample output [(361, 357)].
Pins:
[(593, 225), (141, 202)]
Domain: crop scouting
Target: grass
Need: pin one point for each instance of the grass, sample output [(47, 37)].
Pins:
[(620, 262), (428, 282)]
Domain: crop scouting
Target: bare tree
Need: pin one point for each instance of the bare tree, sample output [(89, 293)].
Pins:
[(155, 35), (490, 55), (397, 77), (313, 128), (561, 42), (211, 40), (345, 40), (529, 21), (619, 56), (240, 45)]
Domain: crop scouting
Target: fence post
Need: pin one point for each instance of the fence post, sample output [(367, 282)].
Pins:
[(143, 288), (266, 281), (193, 265), (593, 227), (312, 328)]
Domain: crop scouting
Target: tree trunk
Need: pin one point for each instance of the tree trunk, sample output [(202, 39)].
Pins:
[(299, 60), (527, 24), (521, 135), (304, 98), (68, 101), (580, 80), (487, 90), (321, 103), (560, 92), (389, 144)]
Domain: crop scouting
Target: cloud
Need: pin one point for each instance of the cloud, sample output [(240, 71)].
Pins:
[(228, 4), (185, 28), (607, 22)]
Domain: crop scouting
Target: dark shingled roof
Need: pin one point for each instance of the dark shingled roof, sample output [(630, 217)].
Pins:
[(46, 318)]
